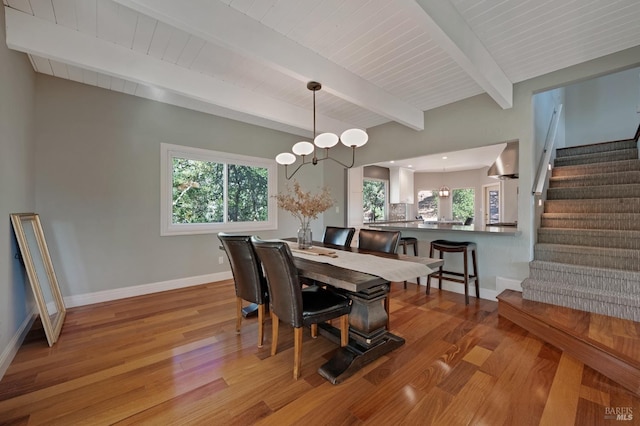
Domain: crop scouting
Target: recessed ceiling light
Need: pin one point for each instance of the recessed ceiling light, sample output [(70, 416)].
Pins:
[(409, 165), (445, 157), (392, 161)]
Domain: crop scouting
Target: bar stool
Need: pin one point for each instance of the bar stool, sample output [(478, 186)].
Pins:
[(445, 246), (409, 241)]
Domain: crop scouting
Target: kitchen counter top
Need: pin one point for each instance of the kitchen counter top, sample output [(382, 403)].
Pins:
[(385, 222), (476, 229)]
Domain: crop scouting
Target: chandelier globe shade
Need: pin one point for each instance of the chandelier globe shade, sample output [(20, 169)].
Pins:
[(326, 140), (352, 138), (303, 148), (285, 158)]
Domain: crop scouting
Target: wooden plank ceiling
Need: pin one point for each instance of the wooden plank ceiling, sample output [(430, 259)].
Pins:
[(378, 60)]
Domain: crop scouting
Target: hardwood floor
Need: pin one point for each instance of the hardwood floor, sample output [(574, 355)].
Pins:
[(175, 358)]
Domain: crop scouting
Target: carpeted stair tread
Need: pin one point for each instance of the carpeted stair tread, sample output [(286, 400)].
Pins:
[(600, 167), (596, 147), (607, 238), (623, 154), (599, 179), (621, 221), (631, 190), (603, 302), (607, 205), (588, 276), (602, 257)]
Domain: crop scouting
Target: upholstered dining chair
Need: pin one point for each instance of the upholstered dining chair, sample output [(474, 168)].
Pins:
[(290, 303), (382, 241), (338, 236), (378, 240), (250, 282)]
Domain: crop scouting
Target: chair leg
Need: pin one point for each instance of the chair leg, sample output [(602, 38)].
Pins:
[(429, 276), (314, 330), (344, 330), (274, 333), (415, 253), (297, 351), (475, 272), (260, 325), (238, 313), (404, 251), (440, 272), (466, 277)]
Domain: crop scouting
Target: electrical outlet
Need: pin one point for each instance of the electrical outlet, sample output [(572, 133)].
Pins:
[(221, 260)]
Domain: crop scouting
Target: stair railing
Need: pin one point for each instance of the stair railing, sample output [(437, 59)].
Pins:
[(545, 158)]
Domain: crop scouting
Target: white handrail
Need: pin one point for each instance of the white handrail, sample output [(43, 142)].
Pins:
[(543, 166)]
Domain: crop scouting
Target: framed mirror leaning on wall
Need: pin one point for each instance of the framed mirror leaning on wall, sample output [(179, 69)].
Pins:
[(37, 262)]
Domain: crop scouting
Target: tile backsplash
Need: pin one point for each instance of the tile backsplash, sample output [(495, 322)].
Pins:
[(398, 211)]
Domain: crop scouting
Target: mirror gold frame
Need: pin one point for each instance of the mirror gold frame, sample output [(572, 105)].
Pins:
[(37, 262)]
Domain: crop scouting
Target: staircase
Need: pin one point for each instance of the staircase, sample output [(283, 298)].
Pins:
[(588, 252)]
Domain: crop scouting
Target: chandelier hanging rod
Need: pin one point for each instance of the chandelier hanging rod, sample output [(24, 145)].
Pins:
[(352, 138)]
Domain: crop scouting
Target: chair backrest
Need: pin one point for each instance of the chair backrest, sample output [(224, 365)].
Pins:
[(285, 293), (377, 240), (338, 236), (250, 282), (468, 221)]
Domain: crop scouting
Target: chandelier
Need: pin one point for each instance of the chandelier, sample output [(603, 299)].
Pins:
[(444, 192), (352, 138)]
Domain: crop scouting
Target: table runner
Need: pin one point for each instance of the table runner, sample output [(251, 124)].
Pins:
[(389, 269)]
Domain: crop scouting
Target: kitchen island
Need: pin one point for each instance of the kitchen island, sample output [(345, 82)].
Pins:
[(430, 227), (500, 250)]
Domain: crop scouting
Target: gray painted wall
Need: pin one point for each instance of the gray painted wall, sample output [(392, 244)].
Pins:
[(98, 184), (603, 109), (17, 182)]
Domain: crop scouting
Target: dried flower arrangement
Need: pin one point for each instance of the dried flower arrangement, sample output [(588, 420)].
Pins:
[(304, 205)]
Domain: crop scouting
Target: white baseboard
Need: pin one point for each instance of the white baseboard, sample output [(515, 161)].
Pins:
[(503, 283), (139, 290), (16, 341)]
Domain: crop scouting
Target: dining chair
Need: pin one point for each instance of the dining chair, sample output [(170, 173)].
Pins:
[(250, 283), (382, 241), (290, 303), (338, 236), (378, 240)]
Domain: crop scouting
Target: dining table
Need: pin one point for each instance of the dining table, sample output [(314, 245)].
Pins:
[(351, 271)]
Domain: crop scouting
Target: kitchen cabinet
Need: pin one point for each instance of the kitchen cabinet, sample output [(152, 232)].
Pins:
[(400, 185)]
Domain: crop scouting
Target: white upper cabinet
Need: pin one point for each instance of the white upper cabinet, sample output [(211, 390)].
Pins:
[(400, 185)]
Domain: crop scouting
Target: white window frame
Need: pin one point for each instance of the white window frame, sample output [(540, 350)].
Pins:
[(168, 228)]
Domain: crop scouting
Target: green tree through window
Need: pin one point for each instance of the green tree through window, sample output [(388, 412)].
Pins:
[(207, 191), (374, 199), (463, 205), (197, 191)]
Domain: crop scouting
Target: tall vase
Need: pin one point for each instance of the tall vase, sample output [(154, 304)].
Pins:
[(304, 237)]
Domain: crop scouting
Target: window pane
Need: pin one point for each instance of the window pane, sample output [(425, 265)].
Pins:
[(248, 194), (494, 206), (463, 205), (197, 191), (428, 204), (374, 200)]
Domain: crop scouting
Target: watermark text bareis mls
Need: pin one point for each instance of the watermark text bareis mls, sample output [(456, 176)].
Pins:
[(618, 413)]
